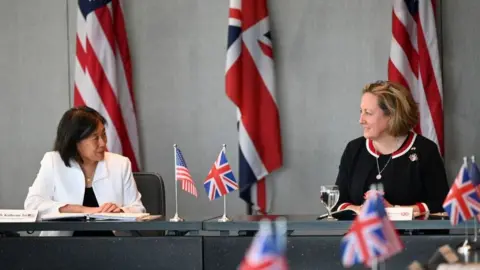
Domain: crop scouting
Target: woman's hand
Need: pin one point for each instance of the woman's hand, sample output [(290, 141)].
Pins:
[(109, 208), (387, 204), (372, 192), (355, 208), (73, 208)]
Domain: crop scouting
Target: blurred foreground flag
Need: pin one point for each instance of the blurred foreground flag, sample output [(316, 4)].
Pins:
[(372, 236), (268, 248)]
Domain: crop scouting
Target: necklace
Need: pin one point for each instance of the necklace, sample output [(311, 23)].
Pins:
[(88, 176), (379, 175)]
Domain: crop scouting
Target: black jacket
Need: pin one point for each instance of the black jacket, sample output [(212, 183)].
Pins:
[(414, 174)]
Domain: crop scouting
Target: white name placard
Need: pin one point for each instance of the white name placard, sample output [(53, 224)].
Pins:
[(399, 213), (13, 215)]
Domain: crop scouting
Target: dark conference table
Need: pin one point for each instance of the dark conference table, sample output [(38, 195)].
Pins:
[(173, 251), (312, 244)]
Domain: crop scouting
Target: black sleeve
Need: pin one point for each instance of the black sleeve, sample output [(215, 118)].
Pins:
[(434, 179), (343, 178)]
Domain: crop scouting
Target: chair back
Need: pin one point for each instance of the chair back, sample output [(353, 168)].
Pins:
[(152, 188)]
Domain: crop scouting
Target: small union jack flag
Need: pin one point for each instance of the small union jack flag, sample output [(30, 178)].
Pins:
[(372, 235), (462, 201), (267, 251), (220, 180)]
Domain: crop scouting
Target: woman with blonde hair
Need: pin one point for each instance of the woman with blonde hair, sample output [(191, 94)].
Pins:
[(408, 165)]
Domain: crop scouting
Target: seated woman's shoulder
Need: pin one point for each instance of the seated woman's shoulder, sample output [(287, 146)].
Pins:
[(356, 142), (114, 157), (354, 145), (52, 156), (425, 143)]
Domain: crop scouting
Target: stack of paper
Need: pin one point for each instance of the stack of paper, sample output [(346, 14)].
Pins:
[(118, 216), (61, 216), (98, 216)]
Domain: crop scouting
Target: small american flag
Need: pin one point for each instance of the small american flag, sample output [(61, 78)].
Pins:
[(183, 174), (462, 201), (220, 180), (372, 235)]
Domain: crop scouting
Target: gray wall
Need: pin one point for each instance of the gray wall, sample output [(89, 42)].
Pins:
[(325, 51)]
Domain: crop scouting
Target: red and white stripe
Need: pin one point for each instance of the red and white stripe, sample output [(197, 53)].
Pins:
[(187, 181), (250, 84), (415, 62), (103, 77)]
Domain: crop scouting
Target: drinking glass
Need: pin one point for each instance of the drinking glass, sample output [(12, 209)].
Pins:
[(329, 195)]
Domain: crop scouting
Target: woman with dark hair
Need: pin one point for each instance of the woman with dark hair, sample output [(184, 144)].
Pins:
[(80, 176)]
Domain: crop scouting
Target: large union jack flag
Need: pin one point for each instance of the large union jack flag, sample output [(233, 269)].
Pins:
[(462, 201), (220, 180), (372, 235), (250, 84)]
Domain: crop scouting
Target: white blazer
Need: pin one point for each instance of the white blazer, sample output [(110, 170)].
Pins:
[(57, 185)]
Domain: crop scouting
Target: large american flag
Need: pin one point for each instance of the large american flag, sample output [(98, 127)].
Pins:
[(462, 201), (220, 179), (250, 84), (103, 73), (371, 236), (183, 174), (415, 62)]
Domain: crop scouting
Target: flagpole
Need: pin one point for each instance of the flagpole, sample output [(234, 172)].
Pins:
[(224, 218), (475, 218), (374, 264), (176, 218), (465, 248), (465, 163)]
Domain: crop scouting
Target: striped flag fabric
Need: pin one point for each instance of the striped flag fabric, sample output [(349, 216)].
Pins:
[(103, 73), (415, 62), (250, 85), (183, 174)]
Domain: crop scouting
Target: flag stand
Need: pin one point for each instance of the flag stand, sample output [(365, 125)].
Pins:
[(374, 264), (176, 218), (465, 248), (475, 232), (224, 218)]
